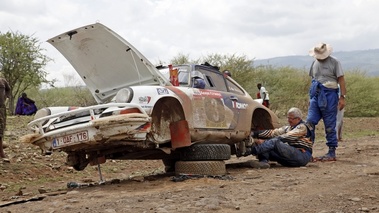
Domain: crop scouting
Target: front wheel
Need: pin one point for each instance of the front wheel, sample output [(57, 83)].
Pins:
[(77, 160)]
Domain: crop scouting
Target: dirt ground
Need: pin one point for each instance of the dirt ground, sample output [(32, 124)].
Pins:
[(34, 183)]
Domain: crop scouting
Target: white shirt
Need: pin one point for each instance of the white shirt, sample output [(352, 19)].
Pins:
[(264, 92)]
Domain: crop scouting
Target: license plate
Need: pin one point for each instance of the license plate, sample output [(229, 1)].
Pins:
[(72, 138)]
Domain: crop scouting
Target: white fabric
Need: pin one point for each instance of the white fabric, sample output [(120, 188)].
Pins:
[(263, 91)]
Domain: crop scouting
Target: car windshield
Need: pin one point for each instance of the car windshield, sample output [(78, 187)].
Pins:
[(183, 74)]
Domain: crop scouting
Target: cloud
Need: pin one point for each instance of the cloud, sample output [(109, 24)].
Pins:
[(161, 29)]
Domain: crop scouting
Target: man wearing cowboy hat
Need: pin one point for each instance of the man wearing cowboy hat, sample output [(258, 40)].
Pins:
[(327, 74)]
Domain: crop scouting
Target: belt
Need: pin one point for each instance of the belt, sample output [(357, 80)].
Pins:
[(304, 150)]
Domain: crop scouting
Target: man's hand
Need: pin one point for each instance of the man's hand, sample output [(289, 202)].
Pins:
[(259, 141), (341, 103)]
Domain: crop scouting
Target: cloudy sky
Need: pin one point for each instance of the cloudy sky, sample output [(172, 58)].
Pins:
[(161, 29)]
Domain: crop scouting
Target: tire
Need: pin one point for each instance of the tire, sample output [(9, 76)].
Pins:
[(206, 152), (200, 167), (80, 166)]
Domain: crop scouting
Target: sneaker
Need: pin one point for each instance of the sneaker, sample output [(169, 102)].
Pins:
[(258, 164)]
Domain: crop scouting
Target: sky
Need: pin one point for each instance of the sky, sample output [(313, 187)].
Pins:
[(163, 29)]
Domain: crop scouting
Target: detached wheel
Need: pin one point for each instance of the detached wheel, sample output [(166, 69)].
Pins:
[(200, 167), (206, 152)]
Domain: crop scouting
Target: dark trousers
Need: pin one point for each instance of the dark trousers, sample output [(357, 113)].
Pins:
[(275, 150)]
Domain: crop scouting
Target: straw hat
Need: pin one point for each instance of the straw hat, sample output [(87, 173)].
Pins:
[(321, 51)]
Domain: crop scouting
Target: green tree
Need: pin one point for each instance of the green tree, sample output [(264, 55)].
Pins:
[(289, 87), (181, 59), (21, 63), (240, 66)]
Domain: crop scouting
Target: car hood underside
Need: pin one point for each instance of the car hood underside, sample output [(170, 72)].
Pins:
[(105, 61)]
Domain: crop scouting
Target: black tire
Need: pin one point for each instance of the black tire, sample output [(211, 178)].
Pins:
[(200, 167), (206, 152), (80, 166)]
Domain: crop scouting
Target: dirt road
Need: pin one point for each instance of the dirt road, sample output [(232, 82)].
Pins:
[(351, 184)]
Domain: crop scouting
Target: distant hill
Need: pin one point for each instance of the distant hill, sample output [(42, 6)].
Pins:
[(365, 60)]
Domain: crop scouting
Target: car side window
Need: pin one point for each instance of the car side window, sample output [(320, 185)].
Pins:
[(233, 88), (214, 80)]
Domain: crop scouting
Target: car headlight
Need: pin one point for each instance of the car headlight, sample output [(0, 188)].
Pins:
[(124, 95), (42, 113)]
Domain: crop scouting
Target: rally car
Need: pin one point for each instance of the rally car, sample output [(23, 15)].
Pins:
[(145, 111)]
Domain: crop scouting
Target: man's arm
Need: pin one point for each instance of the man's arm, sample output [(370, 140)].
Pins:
[(269, 133), (341, 82)]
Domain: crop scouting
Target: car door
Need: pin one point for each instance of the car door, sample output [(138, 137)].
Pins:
[(214, 107)]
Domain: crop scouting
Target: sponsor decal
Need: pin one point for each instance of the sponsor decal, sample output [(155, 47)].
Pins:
[(144, 99), (239, 105), (208, 93), (146, 107), (162, 91)]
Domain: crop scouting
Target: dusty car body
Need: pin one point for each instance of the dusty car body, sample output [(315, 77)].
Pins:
[(140, 114)]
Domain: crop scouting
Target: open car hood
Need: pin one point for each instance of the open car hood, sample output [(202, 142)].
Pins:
[(105, 61)]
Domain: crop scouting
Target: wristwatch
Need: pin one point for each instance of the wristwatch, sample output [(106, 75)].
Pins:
[(343, 96)]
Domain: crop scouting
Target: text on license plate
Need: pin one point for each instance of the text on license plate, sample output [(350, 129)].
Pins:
[(72, 138)]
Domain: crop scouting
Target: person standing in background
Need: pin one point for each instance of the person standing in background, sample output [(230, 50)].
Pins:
[(326, 72), (5, 92), (264, 95), (227, 73)]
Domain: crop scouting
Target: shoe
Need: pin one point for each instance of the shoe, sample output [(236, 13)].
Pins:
[(324, 158), (258, 164)]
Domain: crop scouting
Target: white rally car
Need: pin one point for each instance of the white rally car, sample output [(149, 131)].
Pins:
[(140, 114)]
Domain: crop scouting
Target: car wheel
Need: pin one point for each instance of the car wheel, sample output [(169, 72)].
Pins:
[(200, 167), (206, 152)]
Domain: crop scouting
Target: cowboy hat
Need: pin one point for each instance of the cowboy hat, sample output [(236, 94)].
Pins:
[(321, 51)]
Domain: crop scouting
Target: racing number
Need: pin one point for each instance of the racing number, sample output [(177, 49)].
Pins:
[(82, 136)]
